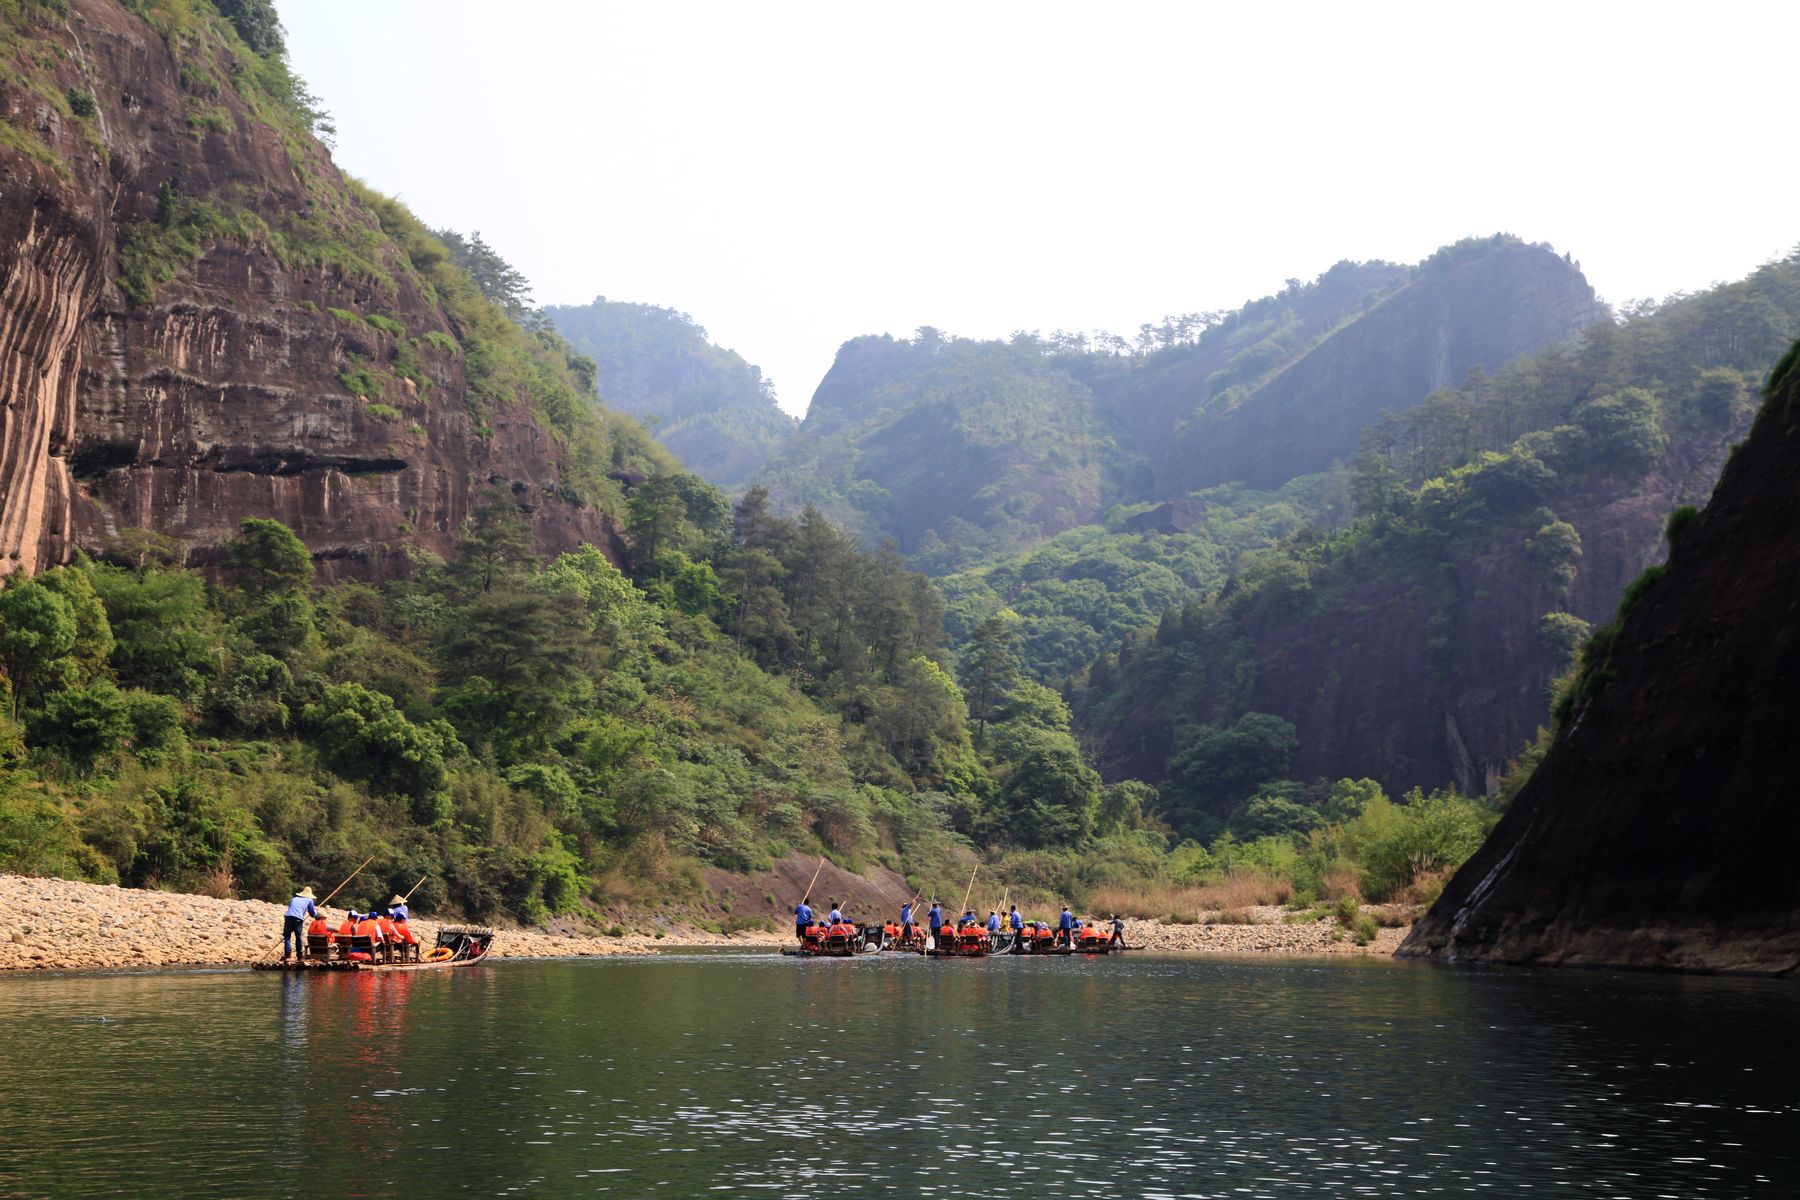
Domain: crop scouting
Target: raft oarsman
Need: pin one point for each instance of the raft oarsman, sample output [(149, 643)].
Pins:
[(906, 923), (803, 917), (1118, 933), (293, 923), (837, 916), (993, 923), (935, 918), (1065, 928)]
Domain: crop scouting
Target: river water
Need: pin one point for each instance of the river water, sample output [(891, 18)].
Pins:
[(764, 1076)]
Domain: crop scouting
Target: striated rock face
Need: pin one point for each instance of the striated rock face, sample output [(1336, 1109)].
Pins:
[(220, 396), (1482, 309), (49, 283), (1662, 828)]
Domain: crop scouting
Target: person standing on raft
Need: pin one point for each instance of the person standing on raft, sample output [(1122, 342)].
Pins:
[(1118, 935), (293, 923), (906, 924), (1065, 928), (802, 918), (936, 919)]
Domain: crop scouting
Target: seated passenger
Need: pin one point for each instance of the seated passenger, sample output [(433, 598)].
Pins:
[(320, 927), (409, 941), (370, 928)]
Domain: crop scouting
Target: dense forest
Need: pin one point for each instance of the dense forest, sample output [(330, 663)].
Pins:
[(1465, 558)]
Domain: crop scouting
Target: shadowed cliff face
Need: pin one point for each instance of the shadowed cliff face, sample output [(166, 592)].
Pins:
[(1662, 828), (219, 397)]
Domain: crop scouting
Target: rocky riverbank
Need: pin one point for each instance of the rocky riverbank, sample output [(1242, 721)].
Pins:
[(57, 924), (1265, 930)]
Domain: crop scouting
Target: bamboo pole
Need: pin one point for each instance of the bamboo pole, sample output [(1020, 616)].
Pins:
[(415, 887), (970, 890), (813, 880)]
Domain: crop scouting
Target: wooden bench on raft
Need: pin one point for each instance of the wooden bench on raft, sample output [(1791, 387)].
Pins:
[(340, 946)]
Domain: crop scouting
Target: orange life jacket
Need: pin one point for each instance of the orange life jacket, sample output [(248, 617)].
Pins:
[(347, 929), (369, 928), (387, 929), (404, 932), (319, 928)]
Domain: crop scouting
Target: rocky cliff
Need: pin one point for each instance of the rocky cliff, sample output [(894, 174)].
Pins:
[(202, 320), (1662, 826)]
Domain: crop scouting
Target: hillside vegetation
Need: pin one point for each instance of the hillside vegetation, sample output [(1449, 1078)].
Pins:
[(714, 411), (1494, 523)]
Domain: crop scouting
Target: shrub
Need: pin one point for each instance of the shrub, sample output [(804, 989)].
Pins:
[(1634, 591), (1678, 521), (81, 102), (345, 315), (83, 724), (442, 341), (387, 325), (361, 382), (383, 412), (1396, 843)]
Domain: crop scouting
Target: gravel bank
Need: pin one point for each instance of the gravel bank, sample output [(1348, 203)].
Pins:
[(1266, 935), (56, 924)]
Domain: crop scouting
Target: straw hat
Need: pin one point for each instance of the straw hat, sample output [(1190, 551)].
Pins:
[(398, 900), (305, 893)]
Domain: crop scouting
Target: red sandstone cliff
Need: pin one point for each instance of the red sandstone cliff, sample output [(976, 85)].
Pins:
[(219, 395)]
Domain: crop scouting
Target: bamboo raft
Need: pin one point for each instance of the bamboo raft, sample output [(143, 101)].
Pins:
[(457, 946)]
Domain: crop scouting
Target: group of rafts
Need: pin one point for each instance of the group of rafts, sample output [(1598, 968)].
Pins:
[(964, 939)]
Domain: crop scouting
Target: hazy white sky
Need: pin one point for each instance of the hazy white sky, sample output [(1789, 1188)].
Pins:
[(795, 174)]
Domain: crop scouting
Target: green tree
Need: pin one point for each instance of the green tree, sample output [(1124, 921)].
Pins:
[(267, 558), (1214, 769), (496, 544), (989, 669), (83, 724), (657, 518), (93, 633), (1049, 795), (38, 631), (363, 736), (166, 638), (1555, 550)]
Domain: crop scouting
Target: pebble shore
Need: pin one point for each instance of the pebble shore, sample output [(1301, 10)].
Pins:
[(58, 924), (1267, 934)]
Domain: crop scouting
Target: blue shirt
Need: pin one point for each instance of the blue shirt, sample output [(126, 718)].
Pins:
[(993, 923), (398, 912), (937, 917), (802, 914), (1018, 922), (836, 917), (300, 906), (906, 914), (1067, 921)]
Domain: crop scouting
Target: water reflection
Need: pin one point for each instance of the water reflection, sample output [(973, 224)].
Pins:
[(899, 1076)]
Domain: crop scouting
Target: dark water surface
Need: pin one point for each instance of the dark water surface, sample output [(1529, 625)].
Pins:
[(765, 1076)]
